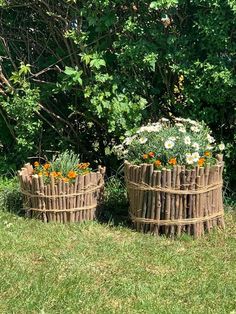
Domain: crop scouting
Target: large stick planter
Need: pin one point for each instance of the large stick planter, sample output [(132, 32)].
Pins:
[(175, 201), (60, 201)]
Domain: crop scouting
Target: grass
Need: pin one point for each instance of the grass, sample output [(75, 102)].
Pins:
[(98, 268)]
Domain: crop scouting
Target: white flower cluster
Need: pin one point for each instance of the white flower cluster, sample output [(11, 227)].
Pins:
[(154, 127), (192, 158)]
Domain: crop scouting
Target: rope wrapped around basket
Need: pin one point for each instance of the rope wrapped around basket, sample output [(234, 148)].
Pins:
[(142, 186), (89, 189)]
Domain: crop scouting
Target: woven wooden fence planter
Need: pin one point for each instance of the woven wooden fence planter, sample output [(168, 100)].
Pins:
[(175, 201), (61, 201)]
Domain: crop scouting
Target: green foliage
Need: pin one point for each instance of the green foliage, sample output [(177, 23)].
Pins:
[(115, 203), (10, 196), (101, 68)]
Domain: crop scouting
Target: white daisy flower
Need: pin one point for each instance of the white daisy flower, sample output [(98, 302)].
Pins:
[(210, 139), (209, 147), (169, 144), (221, 146), (195, 156), (189, 159), (187, 140), (172, 138), (128, 140), (195, 129), (182, 130), (143, 140), (196, 146)]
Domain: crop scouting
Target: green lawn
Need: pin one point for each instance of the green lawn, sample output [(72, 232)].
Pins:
[(95, 268)]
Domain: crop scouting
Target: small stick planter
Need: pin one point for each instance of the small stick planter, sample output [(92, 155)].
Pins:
[(61, 201), (175, 201)]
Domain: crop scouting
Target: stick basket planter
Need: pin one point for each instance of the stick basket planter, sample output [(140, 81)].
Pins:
[(60, 201), (174, 201)]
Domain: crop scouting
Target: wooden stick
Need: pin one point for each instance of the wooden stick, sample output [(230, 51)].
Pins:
[(158, 202), (149, 196), (193, 200), (177, 196), (142, 206), (153, 202), (168, 200), (173, 196), (163, 197)]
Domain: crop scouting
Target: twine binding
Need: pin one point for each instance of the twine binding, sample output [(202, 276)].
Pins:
[(44, 210), (91, 188), (177, 222), (202, 189)]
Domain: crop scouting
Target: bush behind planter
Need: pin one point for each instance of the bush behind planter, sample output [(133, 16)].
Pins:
[(61, 201), (173, 201)]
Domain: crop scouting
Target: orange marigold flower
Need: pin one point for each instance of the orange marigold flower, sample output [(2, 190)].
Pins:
[(54, 174), (46, 166), (172, 161), (201, 161), (46, 173), (207, 154), (72, 174), (59, 174), (157, 163), (145, 156), (151, 154), (65, 179), (36, 164)]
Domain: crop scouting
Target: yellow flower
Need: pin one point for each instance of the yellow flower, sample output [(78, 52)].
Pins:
[(36, 164)]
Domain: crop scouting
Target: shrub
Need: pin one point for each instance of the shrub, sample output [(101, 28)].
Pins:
[(10, 196)]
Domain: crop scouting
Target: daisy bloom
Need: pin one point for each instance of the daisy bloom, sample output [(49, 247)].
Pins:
[(169, 144), (196, 146), (195, 129), (189, 159), (142, 140), (182, 130), (210, 139), (187, 140), (195, 156), (221, 146), (209, 147)]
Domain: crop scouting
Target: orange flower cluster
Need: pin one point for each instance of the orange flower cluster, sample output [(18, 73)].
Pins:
[(44, 170)]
